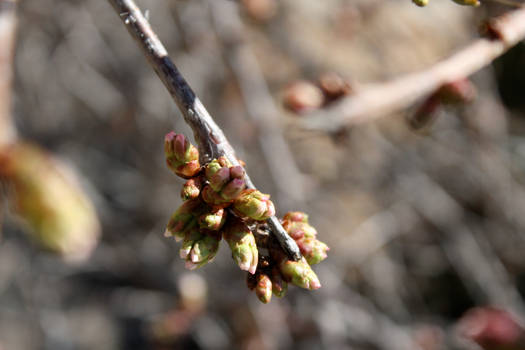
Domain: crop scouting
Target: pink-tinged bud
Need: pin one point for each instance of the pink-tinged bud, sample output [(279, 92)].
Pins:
[(181, 156), (219, 179), (237, 172), (263, 289), (184, 218), (191, 189), (213, 220), (458, 92), (313, 250), (492, 329), (295, 216), (214, 199), (303, 96), (242, 244), (203, 251), (279, 286), (298, 230), (233, 189), (46, 194), (299, 273), (254, 204)]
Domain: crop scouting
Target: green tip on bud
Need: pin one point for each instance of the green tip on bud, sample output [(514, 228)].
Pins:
[(183, 219), (299, 273), (279, 286), (213, 220), (254, 204), (263, 289), (420, 3), (191, 189), (202, 252), (218, 172), (242, 244), (181, 156), (313, 250)]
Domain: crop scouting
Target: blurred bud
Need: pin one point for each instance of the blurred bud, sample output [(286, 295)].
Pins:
[(295, 216), (303, 96), (181, 156), (260, 10), (279, 286), (46, 194), (191, 189), (213, 220), (254, 204), (458, 92), (299, 273), (237, 172), (313, 250), (492, 329), (242, 244), (467, 2), (184, 219), (251, 281), (420, 3), (426, 113), (334, 86), (263, 289)]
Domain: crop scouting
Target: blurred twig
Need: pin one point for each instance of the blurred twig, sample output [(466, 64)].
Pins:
[(210, 138), (380, 99), (8, 26)]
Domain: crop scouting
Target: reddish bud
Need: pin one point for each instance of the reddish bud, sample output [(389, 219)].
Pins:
[(263, 289), (181, 156), (303, 96), (191, 189)]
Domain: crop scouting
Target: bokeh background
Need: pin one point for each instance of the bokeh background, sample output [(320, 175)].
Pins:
[(423, 226)]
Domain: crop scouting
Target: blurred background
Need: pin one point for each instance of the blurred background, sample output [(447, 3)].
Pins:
[(423, 226)]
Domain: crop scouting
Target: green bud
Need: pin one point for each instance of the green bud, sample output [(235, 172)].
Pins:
[(191, 189), (254, 204), (181, 156), (263, 289), (202, 252), (242, 244), (218, 172), (213, 198), (313, 250), (420, 3), (299, 273), (192, 236), (213, 220), (467, 2), (183, 219)]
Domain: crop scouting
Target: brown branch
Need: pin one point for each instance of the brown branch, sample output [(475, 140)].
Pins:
[(377, 100), (7, 45), (209, 137)]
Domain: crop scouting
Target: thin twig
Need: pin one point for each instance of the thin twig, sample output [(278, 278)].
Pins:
[(209, 137), (381, 99), (7, 45)]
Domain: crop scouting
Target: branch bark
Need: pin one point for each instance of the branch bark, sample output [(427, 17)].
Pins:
[(381, 99), (7, 47), (209, 137)]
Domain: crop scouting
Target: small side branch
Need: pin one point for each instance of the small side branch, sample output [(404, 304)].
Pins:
[(381, 99), (209, 137)]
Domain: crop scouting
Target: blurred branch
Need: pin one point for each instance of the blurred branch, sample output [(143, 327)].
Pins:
[(381, 99), (8, 24), (210, 138)]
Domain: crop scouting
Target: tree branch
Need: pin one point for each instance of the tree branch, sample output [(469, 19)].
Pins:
[(7, 48), (209, 137), (381, 99)]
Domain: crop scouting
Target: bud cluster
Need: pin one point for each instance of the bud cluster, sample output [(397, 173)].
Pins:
[(217, 205), (304, 96)]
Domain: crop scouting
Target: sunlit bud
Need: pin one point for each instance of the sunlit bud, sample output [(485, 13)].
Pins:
[(213, 198), (203, 251), (254, 204), (46, 194), (191, 189), (242, 244), (233, 189), (279, 286), (263, 289), (181, 156), (213, 220), (298, 230), (299, 273), (313, 250), (296, 216), (183, 219)]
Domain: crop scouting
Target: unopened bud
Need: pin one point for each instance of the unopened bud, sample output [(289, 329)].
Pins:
[(420, 3), (191, 189), (279, 286), (203, 251), (298, 230), (299, 273), (295, 216), (254, 204), (313, 250), (263, 289), (233, 189), (192, 236), (181, 156), (242, 244), (213, 220), (334, 86), (183, 219), (467, 2), (303, 96), (214, 199)]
